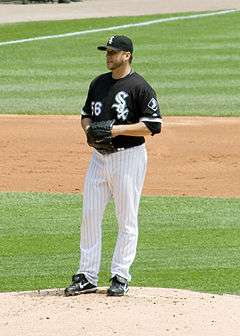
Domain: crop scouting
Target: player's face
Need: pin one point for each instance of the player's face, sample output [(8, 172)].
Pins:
[(116, 59)]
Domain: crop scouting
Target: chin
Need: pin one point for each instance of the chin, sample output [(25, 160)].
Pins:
[(109, 66)]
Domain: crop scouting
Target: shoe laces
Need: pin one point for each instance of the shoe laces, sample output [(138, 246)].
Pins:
[(117, 279), (77, 278)]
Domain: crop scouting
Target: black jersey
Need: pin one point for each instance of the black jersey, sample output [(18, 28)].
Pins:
[(128, 100)]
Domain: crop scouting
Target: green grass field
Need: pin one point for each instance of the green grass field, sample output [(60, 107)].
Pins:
[(184, 242), (192, 64), (191, 243)]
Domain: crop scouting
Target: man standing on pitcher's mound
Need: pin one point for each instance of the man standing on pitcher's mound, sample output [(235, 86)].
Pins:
[(120, 110)]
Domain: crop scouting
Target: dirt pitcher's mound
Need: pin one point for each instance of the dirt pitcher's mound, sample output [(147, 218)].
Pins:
[(143, 312)]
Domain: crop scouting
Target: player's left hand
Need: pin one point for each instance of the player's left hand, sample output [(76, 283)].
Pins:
[(99, 134)]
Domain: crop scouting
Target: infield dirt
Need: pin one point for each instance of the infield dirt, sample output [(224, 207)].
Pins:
[(193, 156), (105, 8)]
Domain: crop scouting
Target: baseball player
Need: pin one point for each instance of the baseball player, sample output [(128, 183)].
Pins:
[(120, 110)]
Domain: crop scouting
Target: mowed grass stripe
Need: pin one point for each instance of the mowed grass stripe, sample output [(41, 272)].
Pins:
[(187, 242), (191, 64), (119, 27), (23, 30)]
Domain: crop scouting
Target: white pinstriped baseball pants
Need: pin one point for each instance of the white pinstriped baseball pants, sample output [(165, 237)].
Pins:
[(119, 176)]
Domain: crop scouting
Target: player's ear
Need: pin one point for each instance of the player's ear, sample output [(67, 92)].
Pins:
[(128, 56)]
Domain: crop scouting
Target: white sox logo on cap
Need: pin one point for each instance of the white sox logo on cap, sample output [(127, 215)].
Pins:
[(118, 43), (110, 41)]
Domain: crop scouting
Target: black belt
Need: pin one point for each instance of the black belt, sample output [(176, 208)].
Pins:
[(111, 150)]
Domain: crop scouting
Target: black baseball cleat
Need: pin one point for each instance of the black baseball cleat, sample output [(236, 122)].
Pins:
[(119, 286), (79, 285)]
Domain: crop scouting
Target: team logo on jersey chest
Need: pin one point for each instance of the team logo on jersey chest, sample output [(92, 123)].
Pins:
[(121, 105)]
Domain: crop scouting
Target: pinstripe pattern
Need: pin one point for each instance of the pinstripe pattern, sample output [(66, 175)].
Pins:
[(119, 176)]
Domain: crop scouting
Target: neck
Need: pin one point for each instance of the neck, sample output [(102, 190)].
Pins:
[(121, 72)]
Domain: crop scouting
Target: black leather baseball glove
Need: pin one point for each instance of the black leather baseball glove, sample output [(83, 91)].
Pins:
[(99, 136)]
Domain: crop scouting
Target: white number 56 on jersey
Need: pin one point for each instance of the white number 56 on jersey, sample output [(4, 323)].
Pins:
[(96, 108)]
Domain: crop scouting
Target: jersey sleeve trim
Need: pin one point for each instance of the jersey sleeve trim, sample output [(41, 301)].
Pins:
[(83, 113), (159, 120)]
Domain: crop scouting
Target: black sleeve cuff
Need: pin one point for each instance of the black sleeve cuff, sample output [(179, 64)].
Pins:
[(85, 116), (154, 127)]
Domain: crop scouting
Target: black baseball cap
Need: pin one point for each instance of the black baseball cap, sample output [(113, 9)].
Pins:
[(118, 43)]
